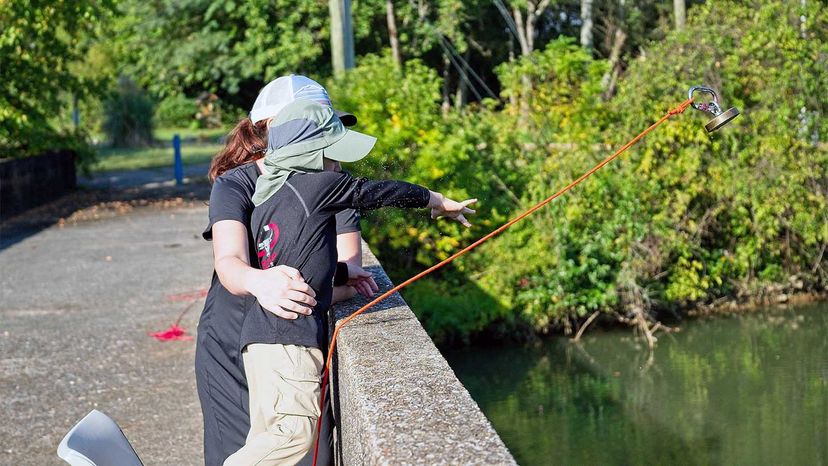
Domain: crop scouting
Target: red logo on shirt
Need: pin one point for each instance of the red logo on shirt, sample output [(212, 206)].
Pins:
[(267, 256)]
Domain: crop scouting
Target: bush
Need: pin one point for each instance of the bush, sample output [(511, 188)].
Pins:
[(683, 218), (732, 212), (177, 111), (128, 116)]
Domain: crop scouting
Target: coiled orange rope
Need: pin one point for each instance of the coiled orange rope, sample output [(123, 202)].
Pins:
[(325, 373)]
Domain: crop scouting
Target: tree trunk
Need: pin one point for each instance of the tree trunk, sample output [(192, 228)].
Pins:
[(525, 48), (342, 37), (513, 99), (611, 77), (462, 95), (392, 33), (586, 25), (526, 38), (446, 76), (680, 9)]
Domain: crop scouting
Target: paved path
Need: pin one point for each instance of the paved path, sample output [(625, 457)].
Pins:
[(76, 304)]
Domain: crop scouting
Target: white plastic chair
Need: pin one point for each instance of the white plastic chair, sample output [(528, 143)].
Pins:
[(96, 440)]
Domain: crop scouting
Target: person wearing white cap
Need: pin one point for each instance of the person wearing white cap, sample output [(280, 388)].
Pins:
[(297, 198), (238, 282), (282, 91)]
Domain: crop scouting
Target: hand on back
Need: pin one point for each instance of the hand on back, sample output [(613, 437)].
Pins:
[(282, 291)]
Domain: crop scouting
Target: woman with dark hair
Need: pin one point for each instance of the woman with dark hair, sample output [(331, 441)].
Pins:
[(238, 283)]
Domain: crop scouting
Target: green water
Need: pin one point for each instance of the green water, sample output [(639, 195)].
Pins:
[(742, 389)]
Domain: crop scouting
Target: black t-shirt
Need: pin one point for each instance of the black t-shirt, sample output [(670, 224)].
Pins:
[(223, 314), (296, 227)]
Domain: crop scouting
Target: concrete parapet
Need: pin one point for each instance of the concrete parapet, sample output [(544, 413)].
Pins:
[(398, 400)]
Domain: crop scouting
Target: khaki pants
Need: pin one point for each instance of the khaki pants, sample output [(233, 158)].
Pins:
[(284, 383)]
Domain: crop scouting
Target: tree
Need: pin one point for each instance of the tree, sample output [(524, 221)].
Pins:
[(684, 218), (231, 49), (39, 43)]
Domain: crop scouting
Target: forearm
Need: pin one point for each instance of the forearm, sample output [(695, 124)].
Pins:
[(349, 248), (392, 193), (236, 275), (348, 251)]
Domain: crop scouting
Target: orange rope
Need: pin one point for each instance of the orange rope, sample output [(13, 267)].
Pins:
[(680, 109)]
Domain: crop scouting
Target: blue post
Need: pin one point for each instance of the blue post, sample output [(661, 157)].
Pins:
[(179, 166)]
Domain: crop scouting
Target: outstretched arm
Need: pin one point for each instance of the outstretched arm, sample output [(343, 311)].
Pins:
[(342, 191)]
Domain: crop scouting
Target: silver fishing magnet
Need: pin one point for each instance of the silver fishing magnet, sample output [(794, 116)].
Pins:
[(720, 118)]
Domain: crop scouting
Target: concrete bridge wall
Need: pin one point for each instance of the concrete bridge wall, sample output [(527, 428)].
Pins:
[(399, 401)]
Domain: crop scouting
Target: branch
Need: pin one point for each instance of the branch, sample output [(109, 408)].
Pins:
[(584, 327), (524, 45), (819, 258)]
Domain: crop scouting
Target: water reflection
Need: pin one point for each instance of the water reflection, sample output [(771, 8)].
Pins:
[(748, 389)]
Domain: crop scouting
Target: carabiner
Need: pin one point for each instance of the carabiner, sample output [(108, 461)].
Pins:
[(713, 108)]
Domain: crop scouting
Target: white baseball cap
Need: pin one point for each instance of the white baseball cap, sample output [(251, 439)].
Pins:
[(282, 91)]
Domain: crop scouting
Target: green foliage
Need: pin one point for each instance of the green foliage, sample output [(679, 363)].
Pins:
[(683, 217), (39, 42), (176, 111), (686, 216), (400, 108), (746, 206), (128, 120), (419, 25), (565, 99), (229, 48)]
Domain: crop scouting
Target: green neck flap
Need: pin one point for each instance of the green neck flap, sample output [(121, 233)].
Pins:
[(297, 137), (279, 165)]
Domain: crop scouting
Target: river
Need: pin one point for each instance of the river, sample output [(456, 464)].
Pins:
[(746, 389)]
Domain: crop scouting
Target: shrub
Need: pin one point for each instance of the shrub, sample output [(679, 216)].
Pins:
[(128, 116), (176, 111), (683, 218)]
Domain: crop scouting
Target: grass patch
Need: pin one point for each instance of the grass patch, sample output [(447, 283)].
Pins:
[(197, 146), (154, 157)]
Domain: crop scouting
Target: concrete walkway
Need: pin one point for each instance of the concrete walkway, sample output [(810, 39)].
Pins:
[(77, 301)]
